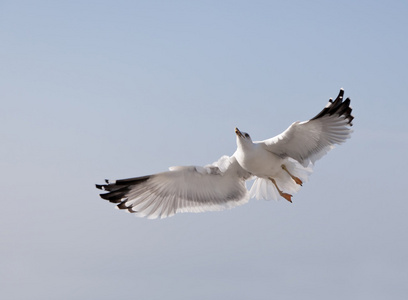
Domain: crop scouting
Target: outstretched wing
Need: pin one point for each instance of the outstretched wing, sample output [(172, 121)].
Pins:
[(182, 189), (308, 141)]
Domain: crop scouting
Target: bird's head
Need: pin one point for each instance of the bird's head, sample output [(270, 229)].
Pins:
[(242, 137)]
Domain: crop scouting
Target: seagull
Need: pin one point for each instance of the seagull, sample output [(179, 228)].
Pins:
[(279, 167)]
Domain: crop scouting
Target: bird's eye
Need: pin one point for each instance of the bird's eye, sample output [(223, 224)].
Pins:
[(246, 135)]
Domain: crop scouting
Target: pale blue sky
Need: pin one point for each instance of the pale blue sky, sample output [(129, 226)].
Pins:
[(114, 89)]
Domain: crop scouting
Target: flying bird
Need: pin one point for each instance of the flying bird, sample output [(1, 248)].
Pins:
[(279, 165)]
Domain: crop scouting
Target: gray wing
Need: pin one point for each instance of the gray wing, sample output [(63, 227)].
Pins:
[(308, 141), (182, 189)]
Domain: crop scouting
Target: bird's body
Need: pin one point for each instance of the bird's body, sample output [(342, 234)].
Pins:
[(279, 165), (255, 159)]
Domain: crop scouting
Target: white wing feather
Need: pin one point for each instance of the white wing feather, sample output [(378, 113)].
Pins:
[(182, 189), (308, 141)]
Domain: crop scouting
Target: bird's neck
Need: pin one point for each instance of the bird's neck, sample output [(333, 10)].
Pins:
[(244, 145)]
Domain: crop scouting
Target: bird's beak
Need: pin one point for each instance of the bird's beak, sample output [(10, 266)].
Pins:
[(237, 132)]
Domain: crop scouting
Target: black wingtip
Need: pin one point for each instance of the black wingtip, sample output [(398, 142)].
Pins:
[(100, 186), (341, 93), (112, 198), (105, 196), (122, 205), (130, 209), (118, 190), (338, 107)]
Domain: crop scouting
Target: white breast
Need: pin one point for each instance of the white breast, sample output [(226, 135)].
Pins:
[(258, 161)]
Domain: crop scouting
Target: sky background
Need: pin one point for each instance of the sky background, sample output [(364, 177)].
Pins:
[(114, 89)]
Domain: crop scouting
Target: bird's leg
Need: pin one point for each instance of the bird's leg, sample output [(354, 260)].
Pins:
[(284, 195), (296, 179)]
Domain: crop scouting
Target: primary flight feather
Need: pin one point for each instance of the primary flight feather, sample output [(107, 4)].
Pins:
[(279, 165)]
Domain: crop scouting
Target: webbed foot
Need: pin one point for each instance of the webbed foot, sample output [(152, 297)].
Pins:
[(296, 179)]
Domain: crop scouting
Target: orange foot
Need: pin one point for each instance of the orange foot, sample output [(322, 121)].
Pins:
[(297, 180), (287, 196)]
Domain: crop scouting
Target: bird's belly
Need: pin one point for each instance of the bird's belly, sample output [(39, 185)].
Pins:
[(264, 164)]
